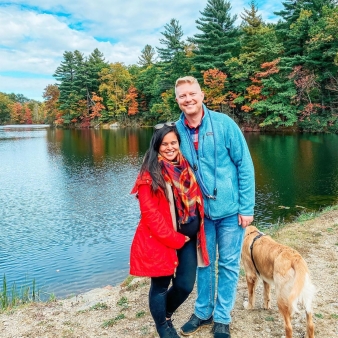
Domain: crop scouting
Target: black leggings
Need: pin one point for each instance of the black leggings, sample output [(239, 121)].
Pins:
[(164, 302)]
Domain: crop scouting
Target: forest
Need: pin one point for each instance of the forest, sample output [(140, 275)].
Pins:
[(266, 76)]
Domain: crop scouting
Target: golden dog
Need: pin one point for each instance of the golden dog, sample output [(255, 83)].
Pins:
[(286, 269)]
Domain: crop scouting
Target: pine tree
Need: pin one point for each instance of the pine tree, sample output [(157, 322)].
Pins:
[(218, 40), (65, 75), (174, 61), (147, 57)]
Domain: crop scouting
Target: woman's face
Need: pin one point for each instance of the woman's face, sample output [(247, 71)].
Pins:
[(169, 147)]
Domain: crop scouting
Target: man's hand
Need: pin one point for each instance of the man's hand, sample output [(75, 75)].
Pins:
[(244, 221)]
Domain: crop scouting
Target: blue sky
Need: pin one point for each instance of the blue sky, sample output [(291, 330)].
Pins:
[(34, 34)]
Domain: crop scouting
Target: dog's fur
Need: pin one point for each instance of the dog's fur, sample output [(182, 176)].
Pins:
[(286, 269)]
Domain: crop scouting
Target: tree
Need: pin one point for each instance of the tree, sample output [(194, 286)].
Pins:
[(147, 87), (214, 81), (17, 113), (51, 96), (96, 107), (5, 109), (115, 81), (174, 61), (273, 101), (131, 101), (69, 96), (94, 64), (147, 57), (218, 40)]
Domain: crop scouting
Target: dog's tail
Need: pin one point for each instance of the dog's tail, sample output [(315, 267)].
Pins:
[(303, 292)]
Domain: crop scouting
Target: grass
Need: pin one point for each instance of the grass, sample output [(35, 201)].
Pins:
[(113, 321), (14, 296), (99, 306), (123, 302), (303, 216), (140, 314)]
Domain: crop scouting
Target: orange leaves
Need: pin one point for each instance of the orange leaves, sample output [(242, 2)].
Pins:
[(246, 108), (214, 81), (20, 113), (131, 100), (309, 109), (254, 91), (97, 106), (271, 68)]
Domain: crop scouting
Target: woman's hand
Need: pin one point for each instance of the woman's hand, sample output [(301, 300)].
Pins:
[(187, 239)]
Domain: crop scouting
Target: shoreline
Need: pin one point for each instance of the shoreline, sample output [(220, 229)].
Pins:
[(122, 310)]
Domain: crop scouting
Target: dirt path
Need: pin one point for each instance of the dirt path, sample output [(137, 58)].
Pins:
[(123, 311)]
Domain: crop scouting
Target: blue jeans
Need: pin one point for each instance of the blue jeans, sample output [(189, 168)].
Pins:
[(228, 236)]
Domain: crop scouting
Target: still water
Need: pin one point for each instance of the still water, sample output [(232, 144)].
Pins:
[(66, 215)]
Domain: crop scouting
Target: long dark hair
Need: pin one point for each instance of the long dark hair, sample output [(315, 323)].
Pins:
[(150, 161)]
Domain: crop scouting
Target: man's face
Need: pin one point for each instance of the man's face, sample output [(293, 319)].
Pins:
[(190, 98)]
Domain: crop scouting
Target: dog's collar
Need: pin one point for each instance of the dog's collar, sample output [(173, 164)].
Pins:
[(260, 234), (252, 233)]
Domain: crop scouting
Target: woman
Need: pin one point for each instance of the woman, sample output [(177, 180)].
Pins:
[(170, 239)]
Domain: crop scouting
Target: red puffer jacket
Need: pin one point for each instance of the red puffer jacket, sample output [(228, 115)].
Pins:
[(153, 251)]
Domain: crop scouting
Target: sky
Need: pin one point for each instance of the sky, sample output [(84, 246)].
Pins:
[(34, 34)]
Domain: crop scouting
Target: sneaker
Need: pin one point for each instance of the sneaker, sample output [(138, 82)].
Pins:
[(221, 330), (194, 324)]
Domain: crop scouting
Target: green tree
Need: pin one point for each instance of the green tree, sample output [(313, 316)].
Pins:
[(65, 74), (272, 96), (147, 57), (5, 110), (147, 84), (94, 64), (218, 40), (174, 60)]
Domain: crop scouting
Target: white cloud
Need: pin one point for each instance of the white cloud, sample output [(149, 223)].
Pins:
[(30, 87), (34, 34)]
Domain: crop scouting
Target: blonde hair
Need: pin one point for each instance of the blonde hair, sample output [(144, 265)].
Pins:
[(185, 79)]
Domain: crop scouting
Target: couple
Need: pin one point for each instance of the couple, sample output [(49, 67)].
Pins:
[(196, 193)]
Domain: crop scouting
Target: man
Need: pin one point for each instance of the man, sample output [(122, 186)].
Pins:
[(217, 151)]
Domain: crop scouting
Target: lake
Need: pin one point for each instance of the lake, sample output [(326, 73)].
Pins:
[(67, 217)]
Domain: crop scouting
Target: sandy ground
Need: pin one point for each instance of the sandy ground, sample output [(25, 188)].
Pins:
[(122, 311)]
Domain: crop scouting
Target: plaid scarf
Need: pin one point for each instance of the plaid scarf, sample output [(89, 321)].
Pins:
[(185, 188)]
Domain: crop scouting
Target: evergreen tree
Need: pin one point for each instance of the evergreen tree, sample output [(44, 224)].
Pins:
[(251, 27), (65, 75), (147, 57), (174, 61), (218, 40), (95, 63), (172, 41)]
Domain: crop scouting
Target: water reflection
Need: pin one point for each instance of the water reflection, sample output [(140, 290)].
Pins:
[(295, 171), (67, 216)]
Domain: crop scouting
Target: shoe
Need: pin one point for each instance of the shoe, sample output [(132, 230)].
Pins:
[(221, 330), (194, 324), (167, 331)]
